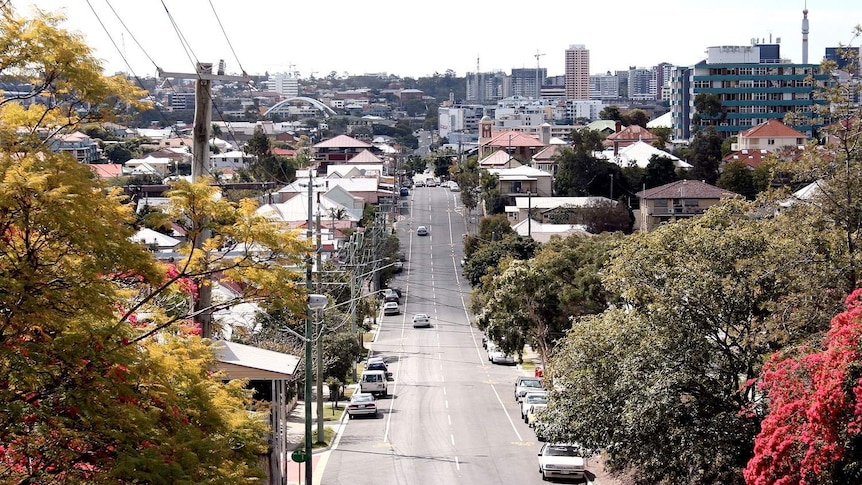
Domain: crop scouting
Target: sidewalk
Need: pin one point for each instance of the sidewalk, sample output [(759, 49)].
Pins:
[(296, 440)]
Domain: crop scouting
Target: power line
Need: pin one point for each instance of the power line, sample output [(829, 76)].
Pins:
[(226, 37)]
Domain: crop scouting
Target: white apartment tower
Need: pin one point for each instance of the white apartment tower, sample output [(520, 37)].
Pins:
[(577, 72)]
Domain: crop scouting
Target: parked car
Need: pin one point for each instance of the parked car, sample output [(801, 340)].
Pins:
[(497, 356), (420, 183), (421, 231), (391, 308), (377, 363), (561, 460), (362, 404), (421, 320), (531, 398), (404, 191), (534, 414), (432, 183), (454, 187), (389, 295), (526, 384)]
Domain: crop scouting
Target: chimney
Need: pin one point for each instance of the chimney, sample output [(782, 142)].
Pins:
[(619, 127)]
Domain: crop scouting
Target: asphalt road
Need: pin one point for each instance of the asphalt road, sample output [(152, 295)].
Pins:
[(451, 417)]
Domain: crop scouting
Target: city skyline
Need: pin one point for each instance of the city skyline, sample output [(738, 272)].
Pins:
[(357, 40)]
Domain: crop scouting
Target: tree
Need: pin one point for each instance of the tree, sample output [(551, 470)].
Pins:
[(580, 173), (813, 427), (704, 153), (658, 380), (468, 178), (738, 178), (659, 171), (708, 109), (102, 376), (636, 117), (611, 113), (266, 167)]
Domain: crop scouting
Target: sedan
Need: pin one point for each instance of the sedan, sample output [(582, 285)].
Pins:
[(497, 356), (525, 385), (534, 414), (362, 404), (391, 308), (560, 460), (540, 397), (421, 231), (421, 320)]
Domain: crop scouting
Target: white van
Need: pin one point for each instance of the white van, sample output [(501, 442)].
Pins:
[(374, 382)]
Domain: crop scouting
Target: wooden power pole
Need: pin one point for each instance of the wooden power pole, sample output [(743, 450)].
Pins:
[(201, 165)]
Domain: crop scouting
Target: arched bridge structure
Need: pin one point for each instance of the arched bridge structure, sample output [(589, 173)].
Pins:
[(327, 111)]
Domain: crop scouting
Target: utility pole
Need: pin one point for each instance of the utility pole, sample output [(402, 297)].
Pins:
[(200, 166), (308, 340), (320, 334)]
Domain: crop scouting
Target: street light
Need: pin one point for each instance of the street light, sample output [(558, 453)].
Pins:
[(315, 302)]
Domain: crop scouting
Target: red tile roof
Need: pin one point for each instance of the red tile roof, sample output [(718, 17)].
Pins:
[(773, 129), (632, 133), (686, 189), (107, 170), (752, 158)]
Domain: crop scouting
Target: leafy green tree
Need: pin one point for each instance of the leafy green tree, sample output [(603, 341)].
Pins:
[(611, 113), (659, 171), (580, 173), (664, 135), (468, 178), (485, 259), (708, 110), (704, 153), (266, 167), (738, 178), (118, 153), (656, 382), (636, 117)]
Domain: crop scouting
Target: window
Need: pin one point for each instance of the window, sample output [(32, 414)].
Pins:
[(771, 141)]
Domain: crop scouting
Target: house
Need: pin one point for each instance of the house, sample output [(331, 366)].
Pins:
[(80, 146), (551, 210), (337, 150), (149, 165), (543, 232), (105, 171), (639, 154), (521, 180), (155, 240), (677, 200), (233, 159), (751, 158), (624, 137), (517, 144), (605, 127), (546, 159), (238, 361), (499, 159), (771, 136)]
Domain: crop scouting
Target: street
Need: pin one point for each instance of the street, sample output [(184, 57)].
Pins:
[(451, 416)]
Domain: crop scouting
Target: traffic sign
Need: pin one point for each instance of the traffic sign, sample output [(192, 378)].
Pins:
[(298, 456)]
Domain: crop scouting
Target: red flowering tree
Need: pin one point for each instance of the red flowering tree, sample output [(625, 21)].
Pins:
[(811, 434)]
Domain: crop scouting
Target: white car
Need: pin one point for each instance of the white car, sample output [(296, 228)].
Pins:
[(497, 356), (391, 308), (421, 231), (421, 320), (534, 414), (362, 404), (561, 460), (531, 398), (526, 384)]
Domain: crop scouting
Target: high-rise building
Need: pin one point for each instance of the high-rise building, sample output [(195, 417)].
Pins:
[(524, 81), (486, 87), (284, 84), (642, 83), (753, 84), (604, 86), (577, 72)]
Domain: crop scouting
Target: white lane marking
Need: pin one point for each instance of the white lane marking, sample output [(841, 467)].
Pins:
[(452, 437), (457, 464), (503, 407)]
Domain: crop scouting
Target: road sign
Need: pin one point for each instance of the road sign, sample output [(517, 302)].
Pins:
[(298, 456)]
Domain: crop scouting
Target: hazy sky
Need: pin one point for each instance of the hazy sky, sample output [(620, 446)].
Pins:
[(420, 38)]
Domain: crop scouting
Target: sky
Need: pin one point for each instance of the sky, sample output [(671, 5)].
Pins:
[(417, 39)]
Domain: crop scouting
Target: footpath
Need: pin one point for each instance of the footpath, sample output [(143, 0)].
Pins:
[(296, 440)]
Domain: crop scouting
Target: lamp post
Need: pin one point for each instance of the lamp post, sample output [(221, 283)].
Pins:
[(315, 302)]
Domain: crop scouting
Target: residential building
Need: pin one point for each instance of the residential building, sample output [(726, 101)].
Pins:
[(459, 119), (677, 200), (639, 154), (518, 181), (577, 72), (77, 144), (551, 210), (517, 144), (584, 109), (771, 135), (181, 100), (486, 87), (642, 84), (846, 58), (337, 150), (753, 83), (624, 137)]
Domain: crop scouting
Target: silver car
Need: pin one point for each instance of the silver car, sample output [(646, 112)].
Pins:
[(362, 404)]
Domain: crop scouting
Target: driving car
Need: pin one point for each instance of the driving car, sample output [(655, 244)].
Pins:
[(421, 231), (391, 308), (535, 397), (526, 384), (377, 363), (561, 460), (419, 183), (404, 191), (432, 183), (362, 404), (421, 320), (390, 295)]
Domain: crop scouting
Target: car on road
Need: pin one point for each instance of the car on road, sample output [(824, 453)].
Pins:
[(531, 398), (454, 187), (374, 382), (561, 460), (404, 191), (497, 356), (524, 385), (391, 308), (432, 183), (419, 183), (377, 363), (362, 404), (534, 414), (390, 295), (421, 231), (421, 320)]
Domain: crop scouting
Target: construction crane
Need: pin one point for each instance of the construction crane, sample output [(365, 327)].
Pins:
[(538, 84)]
